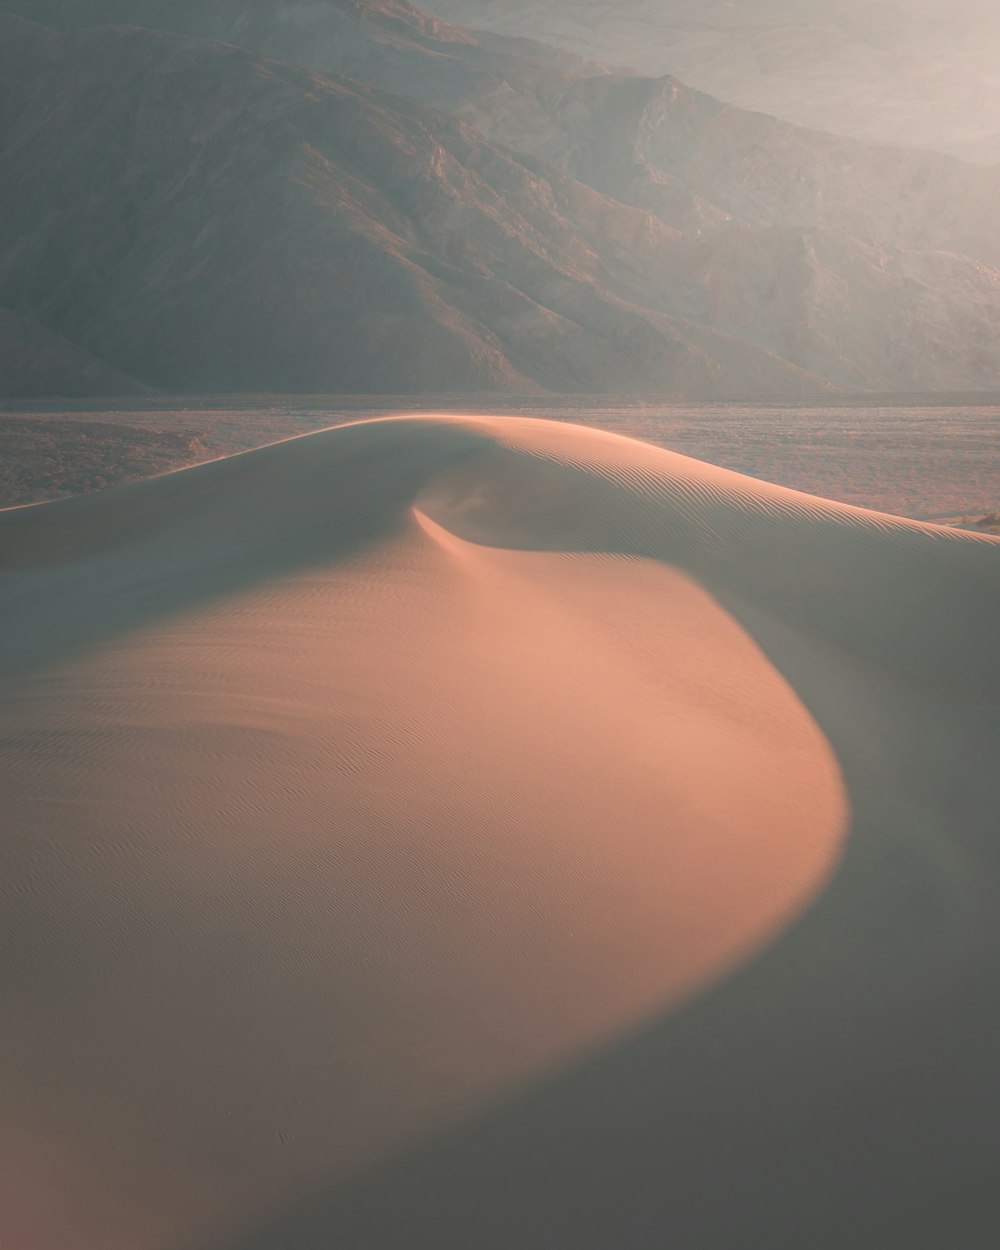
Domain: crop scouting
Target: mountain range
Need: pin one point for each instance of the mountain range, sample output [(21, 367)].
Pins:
[(916, 72), (353, 196)]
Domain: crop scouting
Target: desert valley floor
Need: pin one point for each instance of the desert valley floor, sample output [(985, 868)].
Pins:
[(924, 461)]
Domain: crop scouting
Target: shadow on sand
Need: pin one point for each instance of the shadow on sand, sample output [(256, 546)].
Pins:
[(842, 1090)]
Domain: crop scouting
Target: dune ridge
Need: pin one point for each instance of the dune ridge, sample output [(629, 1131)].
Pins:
[(360, 782)]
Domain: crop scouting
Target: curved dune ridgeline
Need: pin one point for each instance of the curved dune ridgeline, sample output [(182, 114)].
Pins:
[(483, 832)]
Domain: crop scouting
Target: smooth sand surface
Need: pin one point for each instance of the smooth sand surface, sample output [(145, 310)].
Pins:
[(387, 802)]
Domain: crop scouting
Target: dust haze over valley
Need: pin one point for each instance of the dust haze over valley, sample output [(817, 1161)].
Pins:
[(499, 584)]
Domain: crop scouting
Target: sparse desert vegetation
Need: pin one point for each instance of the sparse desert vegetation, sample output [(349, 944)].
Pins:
[(988, 524)]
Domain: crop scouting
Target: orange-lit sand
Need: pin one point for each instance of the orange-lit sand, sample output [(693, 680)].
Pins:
[(354, 784)]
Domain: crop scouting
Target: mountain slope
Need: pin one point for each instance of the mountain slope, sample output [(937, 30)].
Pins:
[(650, 141), (36, 362), (418, 256), (500, 85), (864, 315), (218, 221), (629, 136), (920, 73)]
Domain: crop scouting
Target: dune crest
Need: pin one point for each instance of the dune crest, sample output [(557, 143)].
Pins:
[(359, 781)]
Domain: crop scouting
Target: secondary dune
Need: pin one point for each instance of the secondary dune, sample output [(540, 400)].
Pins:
[(363, 785)]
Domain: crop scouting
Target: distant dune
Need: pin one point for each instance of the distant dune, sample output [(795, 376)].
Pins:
[(606, 837)]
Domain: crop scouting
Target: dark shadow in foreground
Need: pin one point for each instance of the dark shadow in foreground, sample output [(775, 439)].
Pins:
[(842, 1091)]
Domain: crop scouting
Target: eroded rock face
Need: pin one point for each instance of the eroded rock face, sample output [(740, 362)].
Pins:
[(919, 73), (217, 221), (646, 139), (220, 218)]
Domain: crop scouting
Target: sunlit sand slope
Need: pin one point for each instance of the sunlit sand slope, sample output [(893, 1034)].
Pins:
[(357, 785)]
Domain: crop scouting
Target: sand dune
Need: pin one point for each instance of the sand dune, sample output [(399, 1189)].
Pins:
[(366, 784)]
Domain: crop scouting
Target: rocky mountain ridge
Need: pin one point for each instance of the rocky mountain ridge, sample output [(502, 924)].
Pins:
[(920, 73), (219, 218), (218, 221)]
